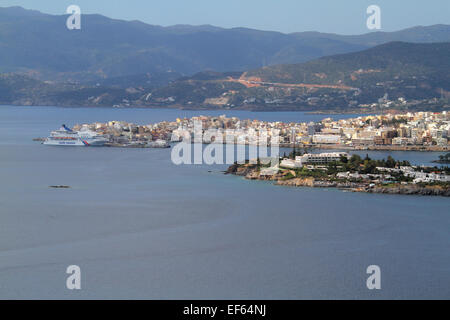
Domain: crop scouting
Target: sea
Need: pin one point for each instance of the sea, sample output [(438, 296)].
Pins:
[(140, 227)]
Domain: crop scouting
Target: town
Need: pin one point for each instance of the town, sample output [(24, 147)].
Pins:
[(419, 131)]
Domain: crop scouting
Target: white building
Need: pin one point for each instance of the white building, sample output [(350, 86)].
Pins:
[(327, 138), (321, 158), (291, 164), (430, 177)]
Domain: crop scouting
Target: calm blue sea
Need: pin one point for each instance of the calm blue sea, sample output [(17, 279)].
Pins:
[(140, 227)]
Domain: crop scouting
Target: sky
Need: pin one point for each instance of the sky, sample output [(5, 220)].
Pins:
[(336, 16)]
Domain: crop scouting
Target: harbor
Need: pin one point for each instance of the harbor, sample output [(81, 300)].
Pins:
[(419, 131)]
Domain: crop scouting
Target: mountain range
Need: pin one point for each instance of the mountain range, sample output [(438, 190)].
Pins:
[(411, 71), (129, 63), (41, 46), (394, 70)]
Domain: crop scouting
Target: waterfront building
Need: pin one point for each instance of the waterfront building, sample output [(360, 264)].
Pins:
[(320, 158), (291, 164), (326, 139)]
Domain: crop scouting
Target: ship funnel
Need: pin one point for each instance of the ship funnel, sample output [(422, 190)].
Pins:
[(65, 128)]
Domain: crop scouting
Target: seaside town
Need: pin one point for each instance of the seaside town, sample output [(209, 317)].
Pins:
[(420, 131), (427, 131)]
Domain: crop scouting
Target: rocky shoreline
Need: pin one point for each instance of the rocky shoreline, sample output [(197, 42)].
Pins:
[(251, 172)]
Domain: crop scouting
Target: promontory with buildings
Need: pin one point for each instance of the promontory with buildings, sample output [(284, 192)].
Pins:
[(353, 173)]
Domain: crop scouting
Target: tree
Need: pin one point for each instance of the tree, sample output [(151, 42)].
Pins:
[(332, 167), (294, 152), (355, 161), (390, 162), (369, 166)]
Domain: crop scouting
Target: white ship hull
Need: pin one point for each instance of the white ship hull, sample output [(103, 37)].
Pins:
[(79, 142), (67, 137)]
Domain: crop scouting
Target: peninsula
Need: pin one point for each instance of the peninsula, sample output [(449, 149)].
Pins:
[(339, 170)]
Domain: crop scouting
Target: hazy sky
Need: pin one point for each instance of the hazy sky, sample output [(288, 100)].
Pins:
[(338, 16)]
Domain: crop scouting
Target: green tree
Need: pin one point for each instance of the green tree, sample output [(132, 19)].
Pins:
[(369, 166), (344, 159), (390, 162)]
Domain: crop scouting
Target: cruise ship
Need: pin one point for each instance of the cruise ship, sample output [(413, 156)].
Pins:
[(65, 136)]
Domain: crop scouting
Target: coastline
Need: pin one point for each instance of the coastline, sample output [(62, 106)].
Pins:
[(249, 108), (252, 172)]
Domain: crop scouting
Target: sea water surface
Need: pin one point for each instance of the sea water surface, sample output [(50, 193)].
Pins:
[(140, 227)]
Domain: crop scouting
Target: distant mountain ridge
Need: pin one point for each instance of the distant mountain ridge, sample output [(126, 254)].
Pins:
[(386, 60), (397, 70), (417, 34), (411, 71), (40, 46)]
